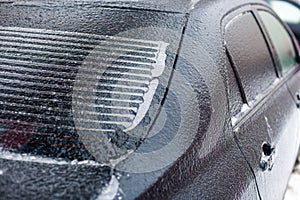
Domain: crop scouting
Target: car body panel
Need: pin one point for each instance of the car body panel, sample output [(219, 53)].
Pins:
[(274, 131), (266, 122), (189, 152), (293, 86)]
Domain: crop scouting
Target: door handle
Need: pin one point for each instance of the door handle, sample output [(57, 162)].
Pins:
[(298, 100), (267, 157)]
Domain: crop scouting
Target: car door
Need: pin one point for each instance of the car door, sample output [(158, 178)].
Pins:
[(293, 85), (263, 114), (285, 53)]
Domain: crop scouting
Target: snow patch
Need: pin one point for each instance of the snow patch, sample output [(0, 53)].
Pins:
[(193, 3), (29, 158), (245, 108), (111, 190)]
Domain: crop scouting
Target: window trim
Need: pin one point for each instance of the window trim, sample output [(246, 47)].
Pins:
[(241, 117)]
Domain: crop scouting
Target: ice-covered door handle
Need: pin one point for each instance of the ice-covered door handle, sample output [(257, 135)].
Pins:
[(298, 100), (267, 157)]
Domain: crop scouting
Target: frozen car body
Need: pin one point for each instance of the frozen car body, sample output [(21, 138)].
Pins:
[(208, 136)]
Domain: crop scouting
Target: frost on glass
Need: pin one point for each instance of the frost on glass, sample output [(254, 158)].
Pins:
[(66, 93)]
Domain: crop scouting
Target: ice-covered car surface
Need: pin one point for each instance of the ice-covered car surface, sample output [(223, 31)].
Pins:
[(146, 100)]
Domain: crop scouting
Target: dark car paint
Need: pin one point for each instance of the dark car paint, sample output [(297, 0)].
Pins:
[(195, 189), (214, 166), (269, 118), (32, 180)]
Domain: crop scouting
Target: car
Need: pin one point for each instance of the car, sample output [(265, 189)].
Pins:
[(146, 99), (289, 12)]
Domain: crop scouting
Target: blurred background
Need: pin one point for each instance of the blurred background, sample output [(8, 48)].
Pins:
[(293, 190)]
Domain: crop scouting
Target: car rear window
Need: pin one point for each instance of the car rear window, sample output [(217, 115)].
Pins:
[(68, 89)]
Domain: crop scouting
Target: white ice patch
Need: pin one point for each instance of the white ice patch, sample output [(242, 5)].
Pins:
[(245, 108), (234, 120), (193, 3), (111, 190), (37, 159)]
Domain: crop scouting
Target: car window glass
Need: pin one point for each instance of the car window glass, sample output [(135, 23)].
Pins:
[(250, 56), (66, 89), (286, 11), (281, 40)]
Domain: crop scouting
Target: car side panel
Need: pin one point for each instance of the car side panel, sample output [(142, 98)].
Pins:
[(213, 167), (294, 87), (273, 123)]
